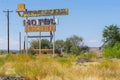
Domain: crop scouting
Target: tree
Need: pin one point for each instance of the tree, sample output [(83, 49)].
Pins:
[(34, 44), (111, 39), (76, 41), (111, 35), (44, 44), (67, 45), (75, 50), (74, 44), (59, 44)]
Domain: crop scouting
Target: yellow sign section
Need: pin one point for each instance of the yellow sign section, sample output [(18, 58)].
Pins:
[(40, 28), (21, 7), (51, 12)]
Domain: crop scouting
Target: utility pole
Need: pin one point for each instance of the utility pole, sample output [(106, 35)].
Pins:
[(8, 28)]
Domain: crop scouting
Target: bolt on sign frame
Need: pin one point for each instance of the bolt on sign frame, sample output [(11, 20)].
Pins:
[(32, 27)]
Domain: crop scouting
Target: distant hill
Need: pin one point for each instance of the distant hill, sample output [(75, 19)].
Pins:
[(11, 51), (96, 50)]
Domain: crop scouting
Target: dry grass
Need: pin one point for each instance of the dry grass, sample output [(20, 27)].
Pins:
[(46, 67)]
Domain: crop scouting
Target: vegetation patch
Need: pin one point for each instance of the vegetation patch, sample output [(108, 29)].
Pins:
[(47, 67)]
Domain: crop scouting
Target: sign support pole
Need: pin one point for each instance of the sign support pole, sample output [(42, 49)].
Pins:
[(40, 43), (53, 43), (26, 41), (24, 45), (54, 38)]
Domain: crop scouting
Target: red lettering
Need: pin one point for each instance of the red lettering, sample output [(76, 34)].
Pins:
[(33, 22), (26, 22)]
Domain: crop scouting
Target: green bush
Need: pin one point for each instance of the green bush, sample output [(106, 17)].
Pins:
[(2, 52), (79, 50), (89, 55), (75, 50), (112, 52)]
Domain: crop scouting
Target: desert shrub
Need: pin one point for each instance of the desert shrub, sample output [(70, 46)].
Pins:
[(79, 50), (2, 52), (89, 55), (75, 50)]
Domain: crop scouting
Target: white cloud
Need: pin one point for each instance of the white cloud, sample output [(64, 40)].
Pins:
[(93, 43)]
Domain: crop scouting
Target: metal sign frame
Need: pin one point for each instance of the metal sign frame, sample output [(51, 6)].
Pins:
[(52, 38), (23, 12)]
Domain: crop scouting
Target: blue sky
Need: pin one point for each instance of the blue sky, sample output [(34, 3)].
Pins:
[(87, 19)]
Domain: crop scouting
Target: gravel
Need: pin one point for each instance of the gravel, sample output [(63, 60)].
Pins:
[(11, 78), (82, 60)]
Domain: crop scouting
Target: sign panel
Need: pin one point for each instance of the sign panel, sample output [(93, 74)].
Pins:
[(21, 7), (40, 28), (51, 12), (39, 22)]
